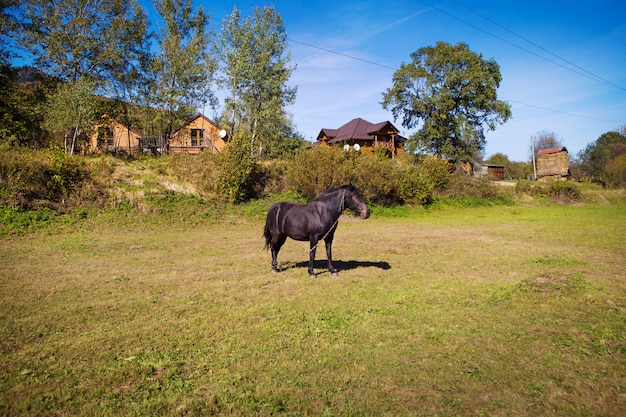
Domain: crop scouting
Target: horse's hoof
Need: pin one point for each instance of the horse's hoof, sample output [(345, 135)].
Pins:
[(334, 274), (312, 276)]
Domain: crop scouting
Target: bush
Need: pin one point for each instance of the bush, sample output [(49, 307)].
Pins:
[(28, 178), (239, 177), (437, 172), (23, 177), (315, 170), (471, 191), (563, 192), (414, 185), (376, 177)]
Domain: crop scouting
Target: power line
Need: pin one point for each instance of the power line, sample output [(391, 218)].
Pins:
[(598, 78), (584, 74), (342, 54), (330, 51), (564, 112)]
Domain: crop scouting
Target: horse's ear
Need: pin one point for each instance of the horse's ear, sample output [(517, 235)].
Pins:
[(352, 187)]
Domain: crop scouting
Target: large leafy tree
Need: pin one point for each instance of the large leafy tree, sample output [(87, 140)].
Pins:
[(605, 159), (75, 39), (255, 67), (451, 93), (183, 70)]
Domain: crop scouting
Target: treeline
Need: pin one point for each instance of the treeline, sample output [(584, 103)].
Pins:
[(92, 58)]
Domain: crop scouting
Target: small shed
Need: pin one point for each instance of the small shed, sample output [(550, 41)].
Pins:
[(553, 164), (493, 172)]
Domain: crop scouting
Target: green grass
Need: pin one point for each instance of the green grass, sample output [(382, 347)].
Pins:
[(498, 310)]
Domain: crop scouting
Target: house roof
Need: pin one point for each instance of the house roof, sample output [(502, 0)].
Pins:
[(196, 116), (359, 129), (552, 150), (130, 129)]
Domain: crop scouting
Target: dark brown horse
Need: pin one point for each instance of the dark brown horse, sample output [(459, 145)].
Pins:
[(314, 222)]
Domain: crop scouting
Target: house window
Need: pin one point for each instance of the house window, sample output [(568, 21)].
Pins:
[(105, 137), (197, 137), (109, 137)]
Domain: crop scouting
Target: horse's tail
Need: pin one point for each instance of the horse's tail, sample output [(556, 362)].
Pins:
[(270, 223)]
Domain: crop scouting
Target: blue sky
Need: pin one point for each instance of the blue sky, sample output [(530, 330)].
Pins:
[(563, 63)]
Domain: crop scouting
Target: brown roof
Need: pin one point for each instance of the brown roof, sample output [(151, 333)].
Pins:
[(552, 150), (358, 129)]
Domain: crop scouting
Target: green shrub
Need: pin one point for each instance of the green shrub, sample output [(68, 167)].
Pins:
[(239, 176), (66, 173), (29, 177), (315, 170), (376, 177), (470, 191), (563, 192), (23, 177), (413, 185), (436, 171)]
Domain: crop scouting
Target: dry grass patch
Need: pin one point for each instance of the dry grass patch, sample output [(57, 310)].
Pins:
[(455, 312)]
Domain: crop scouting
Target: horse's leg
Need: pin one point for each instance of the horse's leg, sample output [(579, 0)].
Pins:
[(314, 241), (275, 249), (329, 256)]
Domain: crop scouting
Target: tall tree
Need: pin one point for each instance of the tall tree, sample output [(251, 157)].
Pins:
[(128, 68), (452, 92), (255, 65), (184, 68), (72, 39)]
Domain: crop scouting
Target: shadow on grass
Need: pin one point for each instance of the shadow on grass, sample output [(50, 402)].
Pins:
[(321, 264)]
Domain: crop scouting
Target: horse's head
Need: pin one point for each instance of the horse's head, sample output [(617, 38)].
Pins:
[(354, 201)]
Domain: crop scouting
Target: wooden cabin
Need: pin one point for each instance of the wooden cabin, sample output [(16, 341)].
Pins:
[(553, 164), (198, 134), (364, 136), (111, 135)]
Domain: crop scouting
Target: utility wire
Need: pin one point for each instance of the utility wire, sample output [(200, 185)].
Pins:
[(330, 51), (584, 74), (598, 78)]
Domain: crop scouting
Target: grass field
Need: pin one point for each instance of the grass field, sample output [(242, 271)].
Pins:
[(490, 311)]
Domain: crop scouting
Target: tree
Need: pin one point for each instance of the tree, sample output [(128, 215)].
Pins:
[(128, 69), (73, 112), (7, 30), (544, 140), (255, 67), (452, 92), (603, 160), (92, 47), (72, 39), (184, 67)]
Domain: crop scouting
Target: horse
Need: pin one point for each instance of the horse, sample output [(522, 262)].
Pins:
[(314, 221)]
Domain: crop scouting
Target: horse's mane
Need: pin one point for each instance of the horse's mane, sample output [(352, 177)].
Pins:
[(331, 192)]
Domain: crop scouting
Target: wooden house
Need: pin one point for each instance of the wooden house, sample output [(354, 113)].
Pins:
[(111, 135), (198, 134), (364, 136), (553, 164)]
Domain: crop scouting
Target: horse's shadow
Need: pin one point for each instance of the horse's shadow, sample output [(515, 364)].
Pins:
[(322, 264)]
